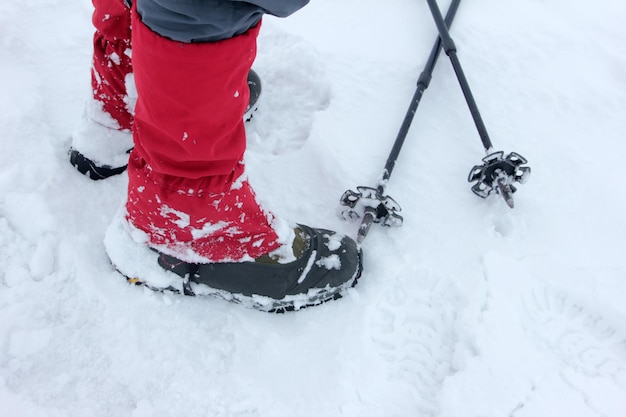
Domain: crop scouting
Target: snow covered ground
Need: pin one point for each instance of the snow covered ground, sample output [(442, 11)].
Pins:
[(469, 309)]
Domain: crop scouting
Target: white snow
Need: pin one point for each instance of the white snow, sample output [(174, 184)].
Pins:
[(330, 262), (469, 309)]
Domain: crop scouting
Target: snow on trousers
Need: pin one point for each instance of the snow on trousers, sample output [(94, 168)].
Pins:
[(111, 59), (186, 190)]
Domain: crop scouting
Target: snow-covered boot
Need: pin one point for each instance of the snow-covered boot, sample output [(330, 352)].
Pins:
[(191, 221), (102, 140), (312, 267)]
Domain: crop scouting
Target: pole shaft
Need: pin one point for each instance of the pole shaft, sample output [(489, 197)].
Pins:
[(422, 84), (450, 49)]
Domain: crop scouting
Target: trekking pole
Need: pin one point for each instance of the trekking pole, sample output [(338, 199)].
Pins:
[(371, 203), (497, 173)]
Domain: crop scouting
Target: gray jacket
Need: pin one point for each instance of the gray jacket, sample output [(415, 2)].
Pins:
[(209, 20)]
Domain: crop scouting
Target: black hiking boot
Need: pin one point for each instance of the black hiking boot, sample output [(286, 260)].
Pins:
[(326, 265), (91, 169)]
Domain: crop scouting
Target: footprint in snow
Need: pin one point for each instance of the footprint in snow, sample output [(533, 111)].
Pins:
[(413, 332), (294, 88), (587, 342)]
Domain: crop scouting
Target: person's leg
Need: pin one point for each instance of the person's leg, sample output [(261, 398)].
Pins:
[(101, 141), (188, 198), (189, 142)]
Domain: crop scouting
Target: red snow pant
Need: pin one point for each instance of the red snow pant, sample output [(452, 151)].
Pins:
[(111, 59), (187, 191)]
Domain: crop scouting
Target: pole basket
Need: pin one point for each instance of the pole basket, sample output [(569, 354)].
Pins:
[(497, 174), (368, 199)]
